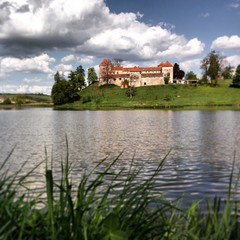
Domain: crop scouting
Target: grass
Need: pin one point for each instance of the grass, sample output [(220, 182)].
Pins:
[(103, 206), (28, 99), (164, 96)]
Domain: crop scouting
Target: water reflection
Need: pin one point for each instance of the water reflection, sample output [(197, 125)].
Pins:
[(202, 144)]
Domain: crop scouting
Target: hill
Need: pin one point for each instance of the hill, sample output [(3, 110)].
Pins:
[(25, 99), (163, 96)]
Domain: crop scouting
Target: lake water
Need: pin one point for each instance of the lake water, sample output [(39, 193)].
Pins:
[(201, 144)]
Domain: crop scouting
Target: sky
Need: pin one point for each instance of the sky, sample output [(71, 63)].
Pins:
[(40, 37)]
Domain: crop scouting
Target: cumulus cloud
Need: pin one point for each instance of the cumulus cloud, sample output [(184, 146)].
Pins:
[(86, 27), (227, 43), (205, 15), (25, 89), (235, 4), (31, 80), (233, 60), (189, 65), (190, 49), (68, 58), (39, 64)]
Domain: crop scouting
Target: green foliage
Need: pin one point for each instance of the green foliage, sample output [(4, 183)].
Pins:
[(7, 101), (103, 206), (64, 91), (20, 99), (236, 78), (61, 92), (212, 66), (167, 97), (191, 76), (86, 99), (166, 79), (92, 76), (228, 72), (131, 91), (177, 72)]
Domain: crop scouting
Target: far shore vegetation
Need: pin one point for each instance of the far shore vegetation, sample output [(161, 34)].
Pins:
[(21, 100)]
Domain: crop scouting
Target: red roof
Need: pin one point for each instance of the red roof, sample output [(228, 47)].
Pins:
[(117, 68), (166, 64), (104, 62)]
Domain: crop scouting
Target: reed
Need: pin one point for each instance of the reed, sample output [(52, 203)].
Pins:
[(104, 206)]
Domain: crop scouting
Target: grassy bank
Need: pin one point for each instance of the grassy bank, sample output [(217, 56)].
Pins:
[(103, 206), (165, 96), (12, 100)]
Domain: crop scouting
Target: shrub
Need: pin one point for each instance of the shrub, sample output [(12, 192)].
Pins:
[(7, 101)]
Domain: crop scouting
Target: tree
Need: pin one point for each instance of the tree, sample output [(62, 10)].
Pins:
[(20, 99), (108, 75), (57, 77), (92, 76), (228, 72), (131, 91), (117, 62), (191, 76), (212, 66), (64, 91), (236, 78), (61, 92), (177, 72)]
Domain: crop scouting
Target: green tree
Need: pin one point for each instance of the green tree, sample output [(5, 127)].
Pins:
[(7, 101), (77, 79), (191, 76), (212, 66), (228, 72), (236, 78), (61, 92), (57, 77), (92, 76), (20, 99), (131, 91), (177, 72)]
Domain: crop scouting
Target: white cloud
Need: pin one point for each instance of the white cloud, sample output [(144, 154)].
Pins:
[(64, 67), (205, 15), (227, 43), (233, 60), (31, 80), (86, 60), (39, 64), (190, 65), (88, 28), (25, 89), (235, 4), (190, 49), (68, 58)]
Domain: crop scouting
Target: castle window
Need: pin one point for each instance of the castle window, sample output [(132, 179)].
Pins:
[(145, 83)]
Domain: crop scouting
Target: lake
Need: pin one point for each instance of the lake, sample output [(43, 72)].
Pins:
[(201, 145)]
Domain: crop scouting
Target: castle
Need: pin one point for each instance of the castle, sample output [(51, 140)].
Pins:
[(135, 76)]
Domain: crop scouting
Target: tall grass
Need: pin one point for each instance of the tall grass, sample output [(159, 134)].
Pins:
[(109, 205)]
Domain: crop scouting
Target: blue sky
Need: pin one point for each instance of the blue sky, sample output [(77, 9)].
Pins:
[(40, 37)]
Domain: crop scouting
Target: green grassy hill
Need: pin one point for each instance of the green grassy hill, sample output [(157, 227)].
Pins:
[(164, 96), (26, 99)]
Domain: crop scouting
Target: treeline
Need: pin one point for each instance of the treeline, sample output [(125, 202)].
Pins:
[(67, 90)]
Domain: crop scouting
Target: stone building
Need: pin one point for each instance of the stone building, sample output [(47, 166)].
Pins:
[(134, 76)]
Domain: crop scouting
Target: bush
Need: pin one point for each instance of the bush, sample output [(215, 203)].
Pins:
[(7, 101), (86, 99)]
